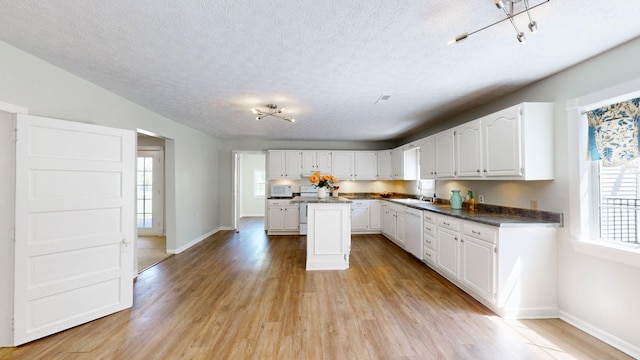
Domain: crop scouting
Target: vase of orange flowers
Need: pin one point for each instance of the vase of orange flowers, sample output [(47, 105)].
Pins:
[(322, 183)]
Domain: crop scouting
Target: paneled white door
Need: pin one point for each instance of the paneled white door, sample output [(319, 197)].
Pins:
[(75, 224)]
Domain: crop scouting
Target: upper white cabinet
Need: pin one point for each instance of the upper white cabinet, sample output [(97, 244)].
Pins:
[(518, 142), (284, 164), (468, 150), (404, 162), (365, 165), (313, 161), (385, 170), (342, 164), (428, 158), (444, 154)]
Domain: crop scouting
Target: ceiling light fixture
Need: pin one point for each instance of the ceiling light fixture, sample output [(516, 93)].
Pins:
[(508, 7), (272, 110)]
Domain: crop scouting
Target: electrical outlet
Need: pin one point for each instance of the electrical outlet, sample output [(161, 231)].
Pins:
[(481, 199), (533, 204)]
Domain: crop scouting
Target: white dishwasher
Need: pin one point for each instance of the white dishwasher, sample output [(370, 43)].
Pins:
[(413, 232)]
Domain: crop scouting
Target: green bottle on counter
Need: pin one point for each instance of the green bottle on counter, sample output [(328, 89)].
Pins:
[(471, 203)]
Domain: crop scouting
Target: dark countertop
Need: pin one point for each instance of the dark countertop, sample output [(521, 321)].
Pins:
[(327, 200), (500, 216)]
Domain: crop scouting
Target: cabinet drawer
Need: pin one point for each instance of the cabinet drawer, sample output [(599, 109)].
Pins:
[(429, 242), (479, 231), (278, 203), (429, 255), (449, 223), (429, 217), (360, 203), (429, 230)]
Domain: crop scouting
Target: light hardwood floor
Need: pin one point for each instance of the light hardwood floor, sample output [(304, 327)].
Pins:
[(248, 296), (150, 250)]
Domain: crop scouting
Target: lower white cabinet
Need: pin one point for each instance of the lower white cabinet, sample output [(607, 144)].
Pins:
[(477, 259), (366, 216), (375, 215), (511, 270), (283, 217), (448, 258)]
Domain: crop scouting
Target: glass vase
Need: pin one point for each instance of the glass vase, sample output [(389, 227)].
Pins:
[(456, 199)]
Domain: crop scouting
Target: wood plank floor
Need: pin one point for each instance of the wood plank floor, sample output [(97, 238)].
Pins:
[(247, 296)]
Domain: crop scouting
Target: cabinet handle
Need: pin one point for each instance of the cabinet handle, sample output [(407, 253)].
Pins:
[(446, 223), (478, 170), (461, 240), (455, 238), (475, 232), (485, 170)]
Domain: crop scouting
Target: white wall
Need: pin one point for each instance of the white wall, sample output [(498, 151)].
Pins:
[(192, 195), (599, 295), (251, 206)]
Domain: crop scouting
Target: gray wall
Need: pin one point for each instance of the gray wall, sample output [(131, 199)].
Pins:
[(251, 206)]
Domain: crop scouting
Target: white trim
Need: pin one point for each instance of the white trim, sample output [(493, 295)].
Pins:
[(197, 240), (628, 348), (580, 176), (13, 109)]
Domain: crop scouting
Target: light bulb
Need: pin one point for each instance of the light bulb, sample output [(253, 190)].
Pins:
[(533, 27)]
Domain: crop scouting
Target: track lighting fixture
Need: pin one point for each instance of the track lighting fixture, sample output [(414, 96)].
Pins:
[(509, 10), (272, 110)]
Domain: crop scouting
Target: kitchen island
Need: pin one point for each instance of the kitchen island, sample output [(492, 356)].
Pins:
[(329, 232)]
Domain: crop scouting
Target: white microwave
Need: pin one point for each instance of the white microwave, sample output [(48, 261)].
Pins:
[(281, 191)]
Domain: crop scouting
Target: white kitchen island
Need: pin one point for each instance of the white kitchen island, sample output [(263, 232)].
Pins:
[(329, 232)]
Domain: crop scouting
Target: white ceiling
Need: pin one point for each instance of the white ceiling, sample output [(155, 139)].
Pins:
[(206, 63)]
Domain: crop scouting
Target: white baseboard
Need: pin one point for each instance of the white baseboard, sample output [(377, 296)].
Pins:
[(195, 241), (616, 342)]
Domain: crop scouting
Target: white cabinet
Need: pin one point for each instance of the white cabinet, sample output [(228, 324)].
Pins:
[(389, 223), (365, 165), (428, 158), (444, 154), (316, 161), (429, 237), (404, 162), (468, 150), (448, 245), (397, 163), (283, 217), (359, 216), (511, 270), (375, 215), (329, 236), (477, 258), (413, 232), (385, 169), (518, 142), (284, 164), (400, 238), (342, 164)]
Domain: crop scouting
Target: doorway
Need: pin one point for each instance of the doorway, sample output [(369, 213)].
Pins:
[(250, 186), (151, 244)]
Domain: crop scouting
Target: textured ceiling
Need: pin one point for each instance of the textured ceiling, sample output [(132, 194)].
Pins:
[(207, 63)]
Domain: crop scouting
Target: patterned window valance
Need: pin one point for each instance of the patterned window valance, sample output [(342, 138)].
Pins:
[(613, 132)]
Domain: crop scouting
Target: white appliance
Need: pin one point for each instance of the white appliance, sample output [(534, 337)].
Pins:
[(308, 192), (283, 191), (413, 232)]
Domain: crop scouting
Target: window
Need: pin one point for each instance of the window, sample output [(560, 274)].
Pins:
[(619, 199), (583, 218), (259, 183), (144, 193)]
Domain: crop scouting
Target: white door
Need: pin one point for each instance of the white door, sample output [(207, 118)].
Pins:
[(150, 191), (75, 224)]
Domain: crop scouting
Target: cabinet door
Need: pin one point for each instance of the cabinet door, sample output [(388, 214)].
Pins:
[(323, 162), (308, 161), (445, 161), (276, 164), (400, 229), (342, 164), (276, 218), (391, 225), (468, 150), (478, 266), (397, 164), (375, 213), (291, 218), (292, 164), (365, 165), (502, 143), (359, 218), (384, 219), (384, 165), (427, 158), (448, 251)]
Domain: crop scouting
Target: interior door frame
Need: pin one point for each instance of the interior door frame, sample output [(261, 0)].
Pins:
[(158, 203), (237, 184)]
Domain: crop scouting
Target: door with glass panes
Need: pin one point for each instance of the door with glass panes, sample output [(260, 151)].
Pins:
[(150, 191)]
